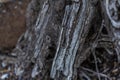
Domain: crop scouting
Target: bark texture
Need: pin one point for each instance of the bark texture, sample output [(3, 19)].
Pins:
[(61, 34)]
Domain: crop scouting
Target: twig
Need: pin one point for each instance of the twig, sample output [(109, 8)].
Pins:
[(96, 73)]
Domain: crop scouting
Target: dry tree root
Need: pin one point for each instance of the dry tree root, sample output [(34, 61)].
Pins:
[(75, 27), (61, 34)]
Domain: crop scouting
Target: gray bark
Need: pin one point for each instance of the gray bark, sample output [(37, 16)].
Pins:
[(58, 37)]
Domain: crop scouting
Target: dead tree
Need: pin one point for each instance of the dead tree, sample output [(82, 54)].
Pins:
[(59, 37)]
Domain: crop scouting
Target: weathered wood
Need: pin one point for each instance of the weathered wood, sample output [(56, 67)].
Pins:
[(112, 9), (75, 26), (42, 33), (58, 37)]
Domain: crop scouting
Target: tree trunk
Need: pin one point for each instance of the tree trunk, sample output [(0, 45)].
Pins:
[(60, 35)]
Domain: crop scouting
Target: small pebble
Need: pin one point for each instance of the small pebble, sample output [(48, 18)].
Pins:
[(115, 70), (4, 11), (4, 76), (4, 64)]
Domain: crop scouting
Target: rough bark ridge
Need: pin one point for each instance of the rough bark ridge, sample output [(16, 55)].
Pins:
[(58, 38), (75, 26)]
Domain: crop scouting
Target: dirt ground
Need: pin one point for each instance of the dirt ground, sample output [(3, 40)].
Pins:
[(12, 22), (12, 25)]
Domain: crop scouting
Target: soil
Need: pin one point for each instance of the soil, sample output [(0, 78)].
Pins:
[(12, 25), (12, 22)]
